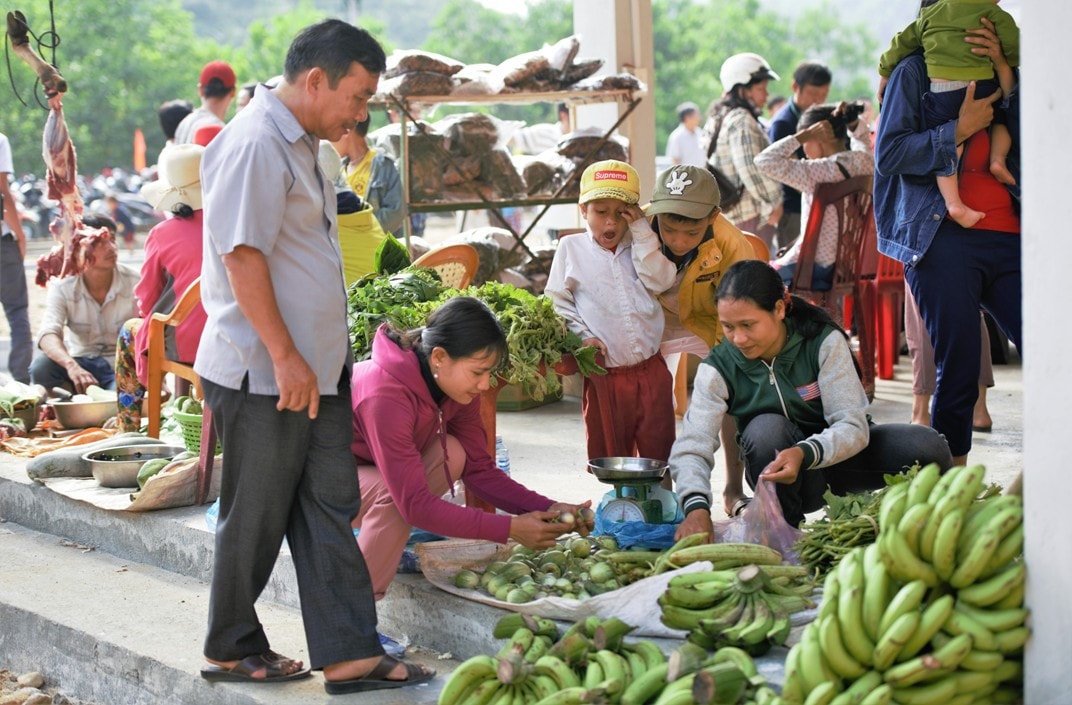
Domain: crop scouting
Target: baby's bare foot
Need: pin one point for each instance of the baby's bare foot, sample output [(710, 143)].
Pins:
[(1002, 173)]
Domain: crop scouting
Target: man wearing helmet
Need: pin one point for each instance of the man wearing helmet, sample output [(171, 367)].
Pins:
[(737, 137)]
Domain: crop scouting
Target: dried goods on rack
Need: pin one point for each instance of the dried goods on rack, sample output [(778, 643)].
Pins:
[(561, 54), (544, 172), (477, 158), (412, 72), (403, 61), (475, 79), (472, 134), (580, 69), (611, 82), (498, 170), (416, 83), (554, 67)]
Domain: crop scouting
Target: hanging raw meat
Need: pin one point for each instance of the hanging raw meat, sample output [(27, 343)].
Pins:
[(72, 237)]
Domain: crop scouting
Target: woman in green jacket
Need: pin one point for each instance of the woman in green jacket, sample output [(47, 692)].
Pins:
[(784, 370)]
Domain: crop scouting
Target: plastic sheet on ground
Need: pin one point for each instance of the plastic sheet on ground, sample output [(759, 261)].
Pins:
[(175, 489), (634, 604)]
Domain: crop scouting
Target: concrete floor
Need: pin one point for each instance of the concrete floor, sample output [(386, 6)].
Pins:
[(547, 448)]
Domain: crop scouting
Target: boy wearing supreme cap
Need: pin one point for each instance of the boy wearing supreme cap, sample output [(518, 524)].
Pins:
[(604, 282), (701, 244)]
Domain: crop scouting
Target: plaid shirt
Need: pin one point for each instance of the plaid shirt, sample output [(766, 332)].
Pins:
[(740, 139)]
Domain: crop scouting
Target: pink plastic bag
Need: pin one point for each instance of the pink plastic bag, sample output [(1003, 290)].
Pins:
[(762, 522)]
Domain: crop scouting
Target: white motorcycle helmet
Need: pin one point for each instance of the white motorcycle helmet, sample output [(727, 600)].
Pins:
[(742, 69)]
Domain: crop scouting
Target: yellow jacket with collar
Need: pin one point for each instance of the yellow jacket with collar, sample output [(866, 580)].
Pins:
[(696, 295)]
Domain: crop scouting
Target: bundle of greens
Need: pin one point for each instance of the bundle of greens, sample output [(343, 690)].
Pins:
[(374, 300), (536, 336), (850, 521), (391, 256)]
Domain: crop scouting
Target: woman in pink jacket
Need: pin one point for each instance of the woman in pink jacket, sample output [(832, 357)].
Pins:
[(417, 430)]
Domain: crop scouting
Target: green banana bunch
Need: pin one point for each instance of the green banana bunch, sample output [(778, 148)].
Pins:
[(593, 663), (467, 678), (932, 612), (748, 607)]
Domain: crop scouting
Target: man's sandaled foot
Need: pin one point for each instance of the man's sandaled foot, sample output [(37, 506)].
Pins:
[(268, 667), (378, 678)]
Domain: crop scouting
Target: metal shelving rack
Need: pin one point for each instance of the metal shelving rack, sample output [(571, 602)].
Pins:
[(405, 108)]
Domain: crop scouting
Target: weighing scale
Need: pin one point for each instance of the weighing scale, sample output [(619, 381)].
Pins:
[(633, 480)]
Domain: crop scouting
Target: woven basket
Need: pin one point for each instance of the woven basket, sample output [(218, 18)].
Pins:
[(191, 431)]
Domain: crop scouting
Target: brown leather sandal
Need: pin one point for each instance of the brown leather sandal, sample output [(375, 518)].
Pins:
[(377, 679), (274, 666)]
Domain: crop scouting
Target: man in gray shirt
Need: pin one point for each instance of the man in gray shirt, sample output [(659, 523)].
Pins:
[(275, 362)]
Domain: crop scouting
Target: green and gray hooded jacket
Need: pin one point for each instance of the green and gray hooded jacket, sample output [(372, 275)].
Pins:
[(813, 382)]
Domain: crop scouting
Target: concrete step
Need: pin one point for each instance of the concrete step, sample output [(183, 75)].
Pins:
[(179, 541), (114, 631)]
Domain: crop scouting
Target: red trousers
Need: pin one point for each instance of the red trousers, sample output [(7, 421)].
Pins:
[(630, 411)]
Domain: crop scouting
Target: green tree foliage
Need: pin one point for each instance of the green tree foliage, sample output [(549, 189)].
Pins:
[(473, 33), (265, 49), (123, 58), (693, 38)]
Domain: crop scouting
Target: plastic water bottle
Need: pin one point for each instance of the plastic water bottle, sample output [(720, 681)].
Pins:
[(502, 455)]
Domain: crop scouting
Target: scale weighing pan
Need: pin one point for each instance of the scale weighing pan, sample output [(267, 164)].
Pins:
[(628, 470)]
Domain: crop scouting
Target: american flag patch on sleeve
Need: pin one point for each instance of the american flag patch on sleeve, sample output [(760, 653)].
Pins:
[(809, 391)]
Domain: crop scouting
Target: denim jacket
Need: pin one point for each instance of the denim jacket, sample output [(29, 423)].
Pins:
[(385, 193), (908, 157)]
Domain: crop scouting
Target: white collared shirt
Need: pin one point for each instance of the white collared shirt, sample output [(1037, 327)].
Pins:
[(612, 295), (88, 328)]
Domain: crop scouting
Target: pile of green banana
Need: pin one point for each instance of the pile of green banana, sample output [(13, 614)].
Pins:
[(592, 663), (747, 608), (930, 614), (574, 568), (693, 549)]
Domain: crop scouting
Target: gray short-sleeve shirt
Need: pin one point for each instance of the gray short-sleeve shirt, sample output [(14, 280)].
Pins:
[(263, 188)]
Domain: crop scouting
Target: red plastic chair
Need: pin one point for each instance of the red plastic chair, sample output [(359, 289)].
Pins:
[(886, 309), (852, 201)]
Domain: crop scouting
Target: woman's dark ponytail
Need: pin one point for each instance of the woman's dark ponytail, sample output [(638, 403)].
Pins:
[(759, 282)]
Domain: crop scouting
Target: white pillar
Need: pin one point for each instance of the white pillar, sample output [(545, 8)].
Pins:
[(1047, 252), (620, 32)]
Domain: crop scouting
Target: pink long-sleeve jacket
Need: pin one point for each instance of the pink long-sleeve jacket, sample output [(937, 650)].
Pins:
[(395, 419)]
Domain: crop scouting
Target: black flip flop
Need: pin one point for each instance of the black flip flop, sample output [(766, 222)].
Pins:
[(377, 679), (242, 672)]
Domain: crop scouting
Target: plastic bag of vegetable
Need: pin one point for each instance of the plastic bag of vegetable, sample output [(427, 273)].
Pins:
[(762, 522)]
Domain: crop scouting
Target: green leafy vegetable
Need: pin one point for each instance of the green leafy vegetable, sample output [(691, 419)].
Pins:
[(375, 300), (536, 336), (391, 256)]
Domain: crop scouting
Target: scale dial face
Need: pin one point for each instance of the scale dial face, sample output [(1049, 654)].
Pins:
[(619, 510)]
